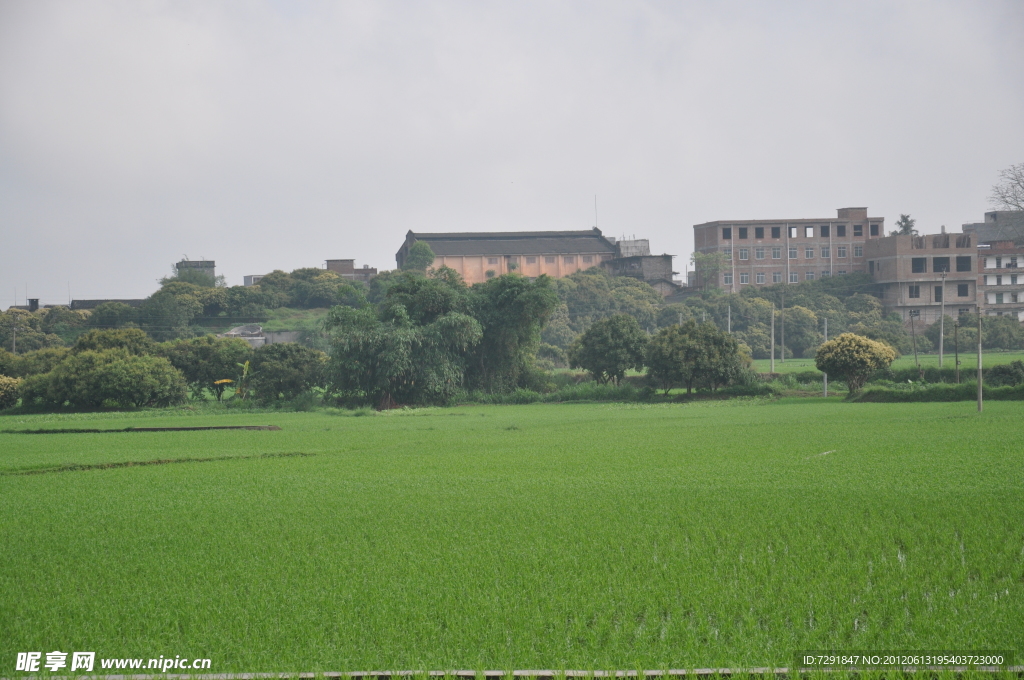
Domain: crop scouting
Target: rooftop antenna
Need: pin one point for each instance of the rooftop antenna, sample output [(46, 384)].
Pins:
[(595, 211)]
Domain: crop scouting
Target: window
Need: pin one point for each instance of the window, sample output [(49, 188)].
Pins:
[(728, 252), (915, 314), (858, 251), (913, 291), (962, 290), (744, 253), (940, 264), (743, 232), (841, 272), (758, 253), (874, 230), (825, 274), (531, 260), (759, 277), (569, 259), (758, 232), (727, 278), (999, 280), (809, 252), (809, 276), (871, 266), (999, 298), (963, 310), (744, 277), (794, 277), (918, 265), (808, 232), (793, 232), (1013, 279), (776, 277), (492, 260), (824, 231), (963, 263), (549, 259), (840, 230), (938, 293), (1013, 263), (776, 232), (726, 233), (825, 252), (858, 230), (840, 251), (999, 262), (776, 253), (587, 259), (792, 252), (605, 258)]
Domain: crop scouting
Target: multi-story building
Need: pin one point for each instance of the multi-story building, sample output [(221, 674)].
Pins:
[(999, 225), (763, 252), (918, 274), (480, 256), (1001, 279), (346, 269)]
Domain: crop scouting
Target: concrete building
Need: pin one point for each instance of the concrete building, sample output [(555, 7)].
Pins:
[(346, 269), (916, 273), (478, 256), (763, 252), (999, 225), (208, 267), (655, 270), (252, 279), (1001, 279)]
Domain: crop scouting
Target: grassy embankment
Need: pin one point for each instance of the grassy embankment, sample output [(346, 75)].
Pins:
[(588, 536), (968, 361)]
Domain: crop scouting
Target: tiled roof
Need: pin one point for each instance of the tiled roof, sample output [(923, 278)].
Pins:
[(516, 243)]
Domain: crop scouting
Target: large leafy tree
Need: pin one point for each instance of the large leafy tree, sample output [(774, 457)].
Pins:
[(693, 355), (511, 311), (853, 358), (285, 370), (609, 348), (207, 361), (420, 257)]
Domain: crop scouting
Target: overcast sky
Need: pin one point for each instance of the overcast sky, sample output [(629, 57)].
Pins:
[(275, 135)]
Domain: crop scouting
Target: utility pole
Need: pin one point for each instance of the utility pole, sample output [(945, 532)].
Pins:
[(913, 334), (824, 381), (942, 318), (782, 319), (728, 326), (680, 318), (956, 347), (979, 359), (773, 338)]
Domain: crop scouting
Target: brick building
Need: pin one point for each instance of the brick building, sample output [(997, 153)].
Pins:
[(346, 269), (763, 252), (916, 273)]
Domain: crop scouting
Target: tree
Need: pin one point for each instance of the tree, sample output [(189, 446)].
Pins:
[(207, 361), (168, 313), (111, 315), (285, 370), (8, 391), (91, 379), (1008, 194), (22, 330), (693, 355), (904, 226), (802, 329), (385, 361), (707, 267), (133, 340), (420, 256), (853, 358), (609, 348)]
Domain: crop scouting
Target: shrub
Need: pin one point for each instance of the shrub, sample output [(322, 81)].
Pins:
[(91, 379), (286, 370), (940, 392), (1006, 374), (133, 340), (853, 358), (8, 391)]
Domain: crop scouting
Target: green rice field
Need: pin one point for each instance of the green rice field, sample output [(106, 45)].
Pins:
[(968, 361), (581, 536)]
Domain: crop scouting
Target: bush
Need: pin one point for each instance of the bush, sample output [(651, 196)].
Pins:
[(940, 392), (853, 358), (92, 379), (133, 340), (8, 391), (1006, 374), (285, 370)]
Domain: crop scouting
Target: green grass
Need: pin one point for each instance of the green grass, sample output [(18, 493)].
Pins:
[(589, 536), (967, 361), (288, 319)]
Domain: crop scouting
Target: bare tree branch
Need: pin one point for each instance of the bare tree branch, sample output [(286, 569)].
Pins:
[(1009, 193)]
